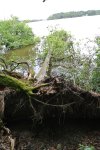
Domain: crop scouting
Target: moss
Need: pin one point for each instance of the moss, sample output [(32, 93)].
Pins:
[(19, 85), (16, 84)]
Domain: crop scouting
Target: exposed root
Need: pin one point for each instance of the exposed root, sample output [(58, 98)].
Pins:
[(53, 98)]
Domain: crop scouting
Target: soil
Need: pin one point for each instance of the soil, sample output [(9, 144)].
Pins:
[(52, 136), (57, 117)]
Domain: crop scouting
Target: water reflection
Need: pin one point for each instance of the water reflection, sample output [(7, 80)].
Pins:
[(26, 54), (23, 54)]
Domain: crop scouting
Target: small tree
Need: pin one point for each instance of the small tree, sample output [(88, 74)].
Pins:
[(61, 58), (96, 71), (16, 34), (59, 46)]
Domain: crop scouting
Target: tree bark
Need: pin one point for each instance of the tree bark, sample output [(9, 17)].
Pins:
[(43, 71)]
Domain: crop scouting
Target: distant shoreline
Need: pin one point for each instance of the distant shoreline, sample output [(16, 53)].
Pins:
[(59, 19), (33, 20), (73, 14)]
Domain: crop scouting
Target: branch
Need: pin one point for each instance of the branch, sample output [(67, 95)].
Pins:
[(16, 84), (3, 61), (21, 63), (61, 106)]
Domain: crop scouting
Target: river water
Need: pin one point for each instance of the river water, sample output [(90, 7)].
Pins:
[(80, 28)]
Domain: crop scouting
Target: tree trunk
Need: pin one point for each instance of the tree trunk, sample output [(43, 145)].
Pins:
[(43, 71)]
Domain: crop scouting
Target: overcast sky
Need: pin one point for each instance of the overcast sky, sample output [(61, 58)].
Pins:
[(36, 9)]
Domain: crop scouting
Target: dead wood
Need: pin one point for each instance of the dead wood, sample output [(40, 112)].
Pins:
[(55, 98), (10, 69)]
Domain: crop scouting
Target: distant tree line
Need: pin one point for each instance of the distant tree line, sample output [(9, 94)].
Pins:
[(33, 20), (74, 14)]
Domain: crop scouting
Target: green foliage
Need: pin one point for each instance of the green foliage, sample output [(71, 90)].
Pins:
[(96, 71), (66, 60), (62, 55), (73, 14), (15, 34), (59, 42), (85, 147), (61, 46), (84, 74)]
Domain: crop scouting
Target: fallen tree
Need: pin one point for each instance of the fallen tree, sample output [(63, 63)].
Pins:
[(44, 98), (54, 98)]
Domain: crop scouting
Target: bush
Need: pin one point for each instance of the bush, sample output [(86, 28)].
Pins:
[(15, 34)]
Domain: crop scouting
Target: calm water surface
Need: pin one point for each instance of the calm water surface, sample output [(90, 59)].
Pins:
[(80, 28), (26, 53)]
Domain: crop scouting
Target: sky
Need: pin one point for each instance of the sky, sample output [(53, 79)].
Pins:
[(36, 9)]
